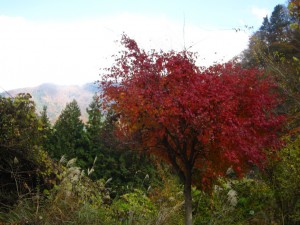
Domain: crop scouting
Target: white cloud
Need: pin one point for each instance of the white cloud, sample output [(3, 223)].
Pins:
[(259, 13), (32, 53)]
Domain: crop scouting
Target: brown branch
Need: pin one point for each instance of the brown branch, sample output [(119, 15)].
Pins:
[(172, 156)]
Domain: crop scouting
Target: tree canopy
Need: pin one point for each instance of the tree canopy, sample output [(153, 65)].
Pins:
[(210, 119)]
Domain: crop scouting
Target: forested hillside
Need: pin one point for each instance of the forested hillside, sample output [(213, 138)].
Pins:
[(164, 142)]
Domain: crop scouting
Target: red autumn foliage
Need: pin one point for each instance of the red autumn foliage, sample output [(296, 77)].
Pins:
[(210, 119)]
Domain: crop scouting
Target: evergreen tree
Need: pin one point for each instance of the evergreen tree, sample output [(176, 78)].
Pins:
[(93, 130), (44, 117), (95, 122), (69, 137), (46, 129), (125, 169), (264, 30), (279, 28), (273, 39)]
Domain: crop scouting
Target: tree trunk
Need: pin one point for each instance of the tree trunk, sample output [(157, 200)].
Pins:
[(188, 200)]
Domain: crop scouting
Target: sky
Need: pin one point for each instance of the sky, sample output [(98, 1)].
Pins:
[(69, 42)]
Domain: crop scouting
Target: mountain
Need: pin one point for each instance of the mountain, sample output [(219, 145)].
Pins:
[(55, 97)]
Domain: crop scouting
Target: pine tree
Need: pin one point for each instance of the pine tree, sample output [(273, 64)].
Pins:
[(45, 129), (95, 121), (69, 136)]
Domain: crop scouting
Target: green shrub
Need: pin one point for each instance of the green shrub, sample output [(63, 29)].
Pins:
[(133, 208), (235, 202)]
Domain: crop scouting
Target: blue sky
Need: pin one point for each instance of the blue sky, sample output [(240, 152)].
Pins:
[(205, 13), (68, 41)]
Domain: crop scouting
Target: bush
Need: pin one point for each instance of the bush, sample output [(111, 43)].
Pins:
[(133, 208), (235, 202), (76, 200)]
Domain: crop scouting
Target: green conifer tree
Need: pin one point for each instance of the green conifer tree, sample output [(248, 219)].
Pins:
[(45, 127), (95, 122), (69, 136)]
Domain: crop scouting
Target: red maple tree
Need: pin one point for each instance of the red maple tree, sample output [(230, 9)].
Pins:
[(205, 118)]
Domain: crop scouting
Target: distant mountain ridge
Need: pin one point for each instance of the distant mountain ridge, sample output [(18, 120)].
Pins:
[(55, 97)]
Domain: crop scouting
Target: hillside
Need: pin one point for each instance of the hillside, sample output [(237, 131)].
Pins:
[(55, 97)]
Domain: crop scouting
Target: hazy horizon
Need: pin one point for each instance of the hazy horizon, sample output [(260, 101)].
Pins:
[(65, 42)]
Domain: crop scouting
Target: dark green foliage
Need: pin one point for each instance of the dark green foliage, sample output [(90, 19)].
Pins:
[(18, 138), (95, 121), (94, 128), (46, 128), (277, 28), (45, 119), (283, 176), (245, 201), (19, 124), (69, 137), (273, 37), (23, 164), (125, 169)]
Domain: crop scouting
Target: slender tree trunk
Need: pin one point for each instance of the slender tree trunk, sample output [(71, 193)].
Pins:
[(188, 200)]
